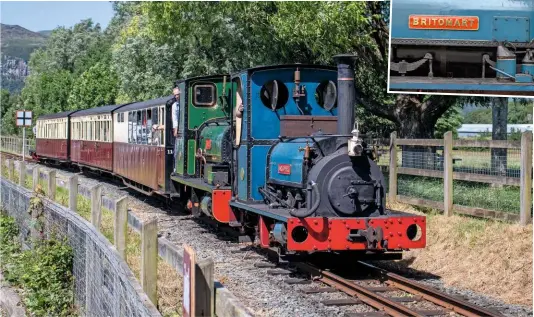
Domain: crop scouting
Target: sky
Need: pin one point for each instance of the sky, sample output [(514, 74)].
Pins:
[(47, 15)]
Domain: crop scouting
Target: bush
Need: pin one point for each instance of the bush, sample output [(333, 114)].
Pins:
[(44, 273)]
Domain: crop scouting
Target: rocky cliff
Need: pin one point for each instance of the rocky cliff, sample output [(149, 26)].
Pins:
[(17, 43)]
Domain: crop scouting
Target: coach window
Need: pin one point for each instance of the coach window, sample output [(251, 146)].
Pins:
[(204, 95), (131, 126), (134, 126), (154, 127), (143, 127)]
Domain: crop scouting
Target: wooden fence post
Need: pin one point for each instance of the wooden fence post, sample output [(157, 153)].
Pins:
[(35, 179), (52, 185), (393, 167), (10, 169), (22, 173), (149, 259), (73, 193), (120, 225), (96, 206), (526, 179), (204, 288), (447, 174)]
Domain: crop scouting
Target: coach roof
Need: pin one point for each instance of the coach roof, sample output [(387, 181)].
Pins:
[(58, 115), (145, 104), (98, 110)]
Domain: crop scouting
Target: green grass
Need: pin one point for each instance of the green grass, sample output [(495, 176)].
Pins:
[(84, 207), (469, 194), (29, 182), (44, 185), (62, 196), (133, 252), (107, 224), (5, 173)]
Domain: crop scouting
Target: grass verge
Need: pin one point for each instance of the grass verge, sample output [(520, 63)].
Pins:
[(485, 256)]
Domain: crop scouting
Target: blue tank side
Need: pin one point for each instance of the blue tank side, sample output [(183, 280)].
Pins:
[(287, 153), (265, 124), (242, 173), (258, 154), (492, 15)]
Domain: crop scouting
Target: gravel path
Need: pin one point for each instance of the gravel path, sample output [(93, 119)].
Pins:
[(262, 293), (482, 300)]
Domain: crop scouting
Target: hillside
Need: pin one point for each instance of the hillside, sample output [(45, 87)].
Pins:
[(20, 42), (16, 46)]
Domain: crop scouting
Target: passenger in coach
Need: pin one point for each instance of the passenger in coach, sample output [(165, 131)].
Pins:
[(175, 110)]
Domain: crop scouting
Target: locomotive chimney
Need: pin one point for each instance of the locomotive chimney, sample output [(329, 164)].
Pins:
[(346, 93)]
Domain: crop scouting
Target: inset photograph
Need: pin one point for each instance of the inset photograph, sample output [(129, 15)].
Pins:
[(462, 47)]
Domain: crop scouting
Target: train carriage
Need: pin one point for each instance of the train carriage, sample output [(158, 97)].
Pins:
[(52, 136), (91, 143), (142, 147)]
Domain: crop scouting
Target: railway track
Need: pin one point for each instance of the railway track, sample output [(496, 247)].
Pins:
[(10, 155), (372, 292)]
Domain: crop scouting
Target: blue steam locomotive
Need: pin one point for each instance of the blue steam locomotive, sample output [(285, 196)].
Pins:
[(458, 46)]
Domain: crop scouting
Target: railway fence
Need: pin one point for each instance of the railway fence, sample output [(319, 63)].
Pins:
[(13, 145), (104, 284), (440, 173), (481, 178)]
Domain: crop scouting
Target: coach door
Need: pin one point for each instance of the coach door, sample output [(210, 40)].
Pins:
[(181, 139), (169, 145)]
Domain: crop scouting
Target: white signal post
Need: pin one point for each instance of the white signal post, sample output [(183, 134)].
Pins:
[(24, 119)]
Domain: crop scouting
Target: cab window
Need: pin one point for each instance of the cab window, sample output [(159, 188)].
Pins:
[(204, 95)]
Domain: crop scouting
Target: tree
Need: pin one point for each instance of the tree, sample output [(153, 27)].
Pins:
[(97, 86), (518, 113), (145, 69), (69, 53), (47, 92), (450, 121)]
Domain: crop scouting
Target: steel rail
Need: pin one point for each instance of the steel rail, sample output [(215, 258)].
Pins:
[(368, 297), (430, 294), (10, 155)]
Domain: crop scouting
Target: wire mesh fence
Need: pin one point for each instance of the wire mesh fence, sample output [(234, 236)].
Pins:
[(497, 162), (488, 178), (14, 145), (103, 284)]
